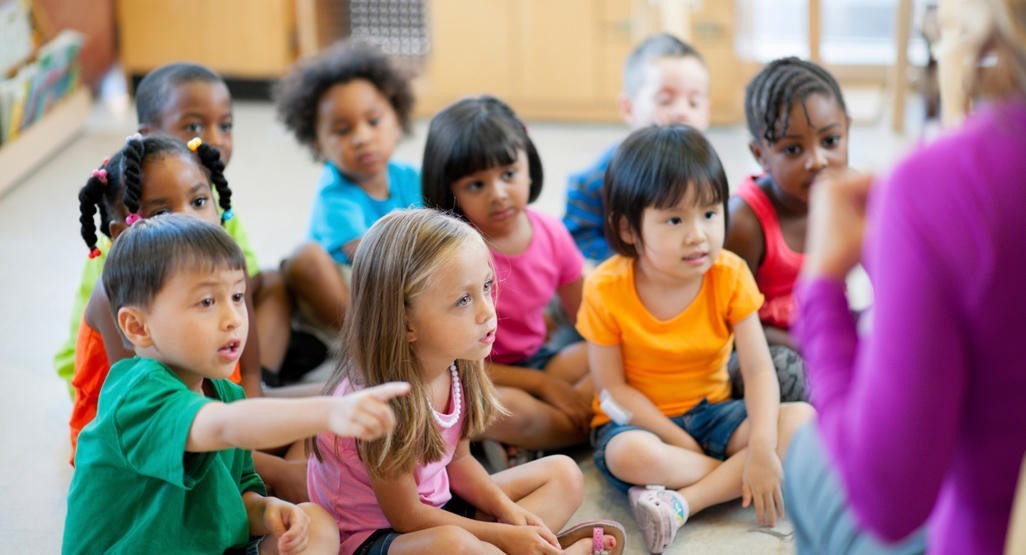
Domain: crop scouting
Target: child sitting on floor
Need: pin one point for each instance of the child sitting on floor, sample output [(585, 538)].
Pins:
[(661, 319), (423, 312), (799, 126), (349, 105), (165, 465)]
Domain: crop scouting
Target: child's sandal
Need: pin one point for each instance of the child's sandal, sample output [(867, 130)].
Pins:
[(598, 530)]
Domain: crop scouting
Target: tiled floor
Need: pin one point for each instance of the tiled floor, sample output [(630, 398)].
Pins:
[(41, 256)]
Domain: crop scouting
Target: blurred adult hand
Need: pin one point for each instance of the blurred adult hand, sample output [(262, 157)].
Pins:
[(837, 218)]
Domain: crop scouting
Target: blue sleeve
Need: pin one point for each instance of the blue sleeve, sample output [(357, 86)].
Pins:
[(407, 184), (337, 219), (585, 218)]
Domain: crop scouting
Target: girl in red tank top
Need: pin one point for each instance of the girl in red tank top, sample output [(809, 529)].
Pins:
[(799, 126)]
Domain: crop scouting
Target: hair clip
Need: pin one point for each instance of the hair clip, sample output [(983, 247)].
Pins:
[(227, 215), (132, 218), (134, 137), (101, 174), (194, 143), (95, 253), (105, 160)]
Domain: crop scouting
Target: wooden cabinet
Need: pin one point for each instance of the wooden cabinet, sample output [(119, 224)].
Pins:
[(249, 39), (545, 58), (561, 60)]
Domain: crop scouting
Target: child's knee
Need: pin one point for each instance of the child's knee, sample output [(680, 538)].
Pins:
[(308, 258), (797, 413), (628, 451), (454, 540), (565, 472), (792, 417)]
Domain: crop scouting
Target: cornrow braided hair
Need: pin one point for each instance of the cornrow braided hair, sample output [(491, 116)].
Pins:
[(784, 81), (116, 186)]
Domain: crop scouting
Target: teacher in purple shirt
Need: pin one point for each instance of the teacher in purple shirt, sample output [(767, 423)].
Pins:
[(922, 422)]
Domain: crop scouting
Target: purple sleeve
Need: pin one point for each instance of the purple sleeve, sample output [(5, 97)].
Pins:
[(890, 404)]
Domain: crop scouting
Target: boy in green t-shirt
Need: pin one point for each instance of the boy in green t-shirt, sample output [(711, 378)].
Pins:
[(165, 466)]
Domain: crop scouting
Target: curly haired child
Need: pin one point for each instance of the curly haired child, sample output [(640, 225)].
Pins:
[(349, 105)]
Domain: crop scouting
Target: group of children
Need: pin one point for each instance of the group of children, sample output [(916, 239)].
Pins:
[(445, 280)]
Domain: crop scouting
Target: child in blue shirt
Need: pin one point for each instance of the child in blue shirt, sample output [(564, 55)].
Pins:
[(348, 105), (664, 81)]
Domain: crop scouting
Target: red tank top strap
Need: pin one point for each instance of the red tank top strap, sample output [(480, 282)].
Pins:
[(780, 265)]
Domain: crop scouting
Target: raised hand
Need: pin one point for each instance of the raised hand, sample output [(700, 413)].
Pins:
[(837, 217)]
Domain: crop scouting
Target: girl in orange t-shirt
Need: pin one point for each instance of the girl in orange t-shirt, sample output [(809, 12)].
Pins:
[(660, 319)]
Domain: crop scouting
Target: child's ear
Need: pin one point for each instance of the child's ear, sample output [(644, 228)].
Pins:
[(132, 322), (411, 334), (116, 227), (625, 104), (755, 147), (626, 233)]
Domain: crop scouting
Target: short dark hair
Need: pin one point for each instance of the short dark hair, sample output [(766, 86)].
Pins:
[(770, 95), (118, 182), (470, 135), (298, 94), (662, 45), (153, 250), (153, 91), (654, 168)]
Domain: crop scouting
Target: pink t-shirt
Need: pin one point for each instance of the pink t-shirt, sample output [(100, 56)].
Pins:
[(341, 485), (526, 284)]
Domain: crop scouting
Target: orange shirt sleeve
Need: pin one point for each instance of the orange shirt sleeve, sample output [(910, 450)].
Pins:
[(595, 322)]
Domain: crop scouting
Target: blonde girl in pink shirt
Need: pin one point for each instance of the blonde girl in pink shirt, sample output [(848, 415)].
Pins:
[(423, 311)]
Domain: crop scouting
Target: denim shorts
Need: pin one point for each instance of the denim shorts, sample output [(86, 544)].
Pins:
[(710, 424), (538, 360), (562, 337), (251, 548), (380, 540)]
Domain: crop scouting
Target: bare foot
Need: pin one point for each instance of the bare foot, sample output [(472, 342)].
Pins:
[(584, 546)]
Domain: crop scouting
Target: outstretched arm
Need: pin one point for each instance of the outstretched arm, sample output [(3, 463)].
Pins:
[(263, 423)]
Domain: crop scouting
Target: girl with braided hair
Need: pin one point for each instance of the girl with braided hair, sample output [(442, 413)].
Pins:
[(154, 175), (799, 125), (148, 176)]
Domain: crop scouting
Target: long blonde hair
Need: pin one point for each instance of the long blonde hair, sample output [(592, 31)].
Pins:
[(993, 28), (395, 262)]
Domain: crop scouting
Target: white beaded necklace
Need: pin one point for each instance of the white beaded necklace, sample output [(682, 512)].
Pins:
[(448, 421)]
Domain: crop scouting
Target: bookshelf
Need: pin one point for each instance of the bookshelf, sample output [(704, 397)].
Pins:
[(42, 104), (37, 142)]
